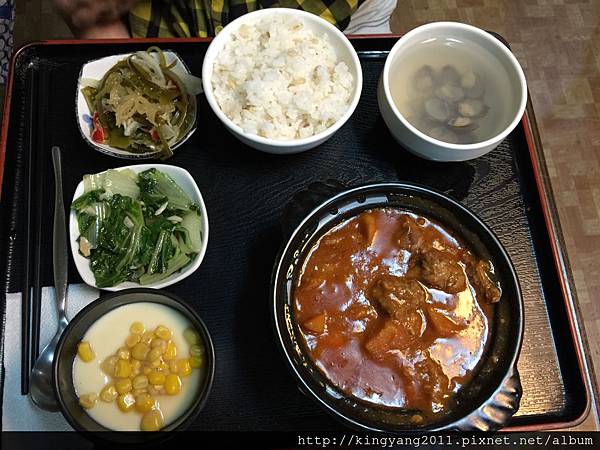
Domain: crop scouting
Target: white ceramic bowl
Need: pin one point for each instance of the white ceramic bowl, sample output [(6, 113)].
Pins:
[(343, 48), (96, 70), (418, 142), (183, 178)]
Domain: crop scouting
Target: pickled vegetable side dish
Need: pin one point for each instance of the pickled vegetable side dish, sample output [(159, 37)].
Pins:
[(136, 227), (396, 311), (139, 375), (142, 104)]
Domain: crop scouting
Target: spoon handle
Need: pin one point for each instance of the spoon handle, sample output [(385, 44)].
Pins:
[(60, 257)]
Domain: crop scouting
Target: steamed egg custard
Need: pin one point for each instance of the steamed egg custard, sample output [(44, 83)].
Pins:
[(139, 367)]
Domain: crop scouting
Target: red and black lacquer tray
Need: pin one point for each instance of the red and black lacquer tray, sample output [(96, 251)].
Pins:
[(246, 192)]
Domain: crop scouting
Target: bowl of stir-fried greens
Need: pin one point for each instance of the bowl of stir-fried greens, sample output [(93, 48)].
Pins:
[(143, 225), (137, 105)]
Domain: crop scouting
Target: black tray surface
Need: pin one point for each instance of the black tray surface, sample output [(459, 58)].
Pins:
[(246, 192)]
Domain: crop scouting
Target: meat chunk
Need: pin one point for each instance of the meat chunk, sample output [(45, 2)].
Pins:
[(403, 299), (398, 295), (410, 235), (441, 271), (482, 281)]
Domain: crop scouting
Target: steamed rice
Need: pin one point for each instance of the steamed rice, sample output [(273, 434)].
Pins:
[(280, 80)]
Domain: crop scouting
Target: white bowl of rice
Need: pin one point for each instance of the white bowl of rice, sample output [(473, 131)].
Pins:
[(282, 80)]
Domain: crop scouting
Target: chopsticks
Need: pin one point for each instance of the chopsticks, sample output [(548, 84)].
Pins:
[(32, 283), (26, 290)]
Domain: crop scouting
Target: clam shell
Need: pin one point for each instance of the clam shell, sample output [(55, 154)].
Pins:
[(437, 109), (463, 124), (449, 75), (424, 79), (470, 107), (450, 93), (472, 84)]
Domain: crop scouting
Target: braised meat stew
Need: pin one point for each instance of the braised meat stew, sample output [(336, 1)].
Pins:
[(395, 310)]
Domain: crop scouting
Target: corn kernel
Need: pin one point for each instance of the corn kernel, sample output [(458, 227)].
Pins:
[(191, 336), (132, 339), (173, 366), (147, 337), (154, 354), (172, 384), (136, 367), (137, 328), (156, 363), (197, 350), (123, 385), (140, 351), (196, 362), (123, 353), (153, 391), (160, 343), (85, 352), (88, 401), (109, 364), (171, 351), (140, 382), (137, 392), (146, 370), (163, 332), (122, 369), (126, 402), (108, 393), (185, 367), (144, 402), (156, 377), (152, 420)]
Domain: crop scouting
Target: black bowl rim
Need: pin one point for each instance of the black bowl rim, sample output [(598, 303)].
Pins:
[(415, 189), (193, 410)]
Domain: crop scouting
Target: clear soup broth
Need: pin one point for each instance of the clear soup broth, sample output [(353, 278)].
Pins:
[(452, 90)]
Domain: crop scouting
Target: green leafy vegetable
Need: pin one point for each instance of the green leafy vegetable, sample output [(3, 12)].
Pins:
[(136, 227), (158, 187)]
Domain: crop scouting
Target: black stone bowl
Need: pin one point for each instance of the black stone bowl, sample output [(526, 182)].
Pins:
[(492, 397), (66, 352)]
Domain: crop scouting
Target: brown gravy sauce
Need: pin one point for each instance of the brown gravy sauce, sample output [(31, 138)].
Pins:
[(394, 310)]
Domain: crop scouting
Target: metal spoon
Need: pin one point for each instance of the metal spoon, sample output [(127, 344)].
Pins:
[(41, 387)]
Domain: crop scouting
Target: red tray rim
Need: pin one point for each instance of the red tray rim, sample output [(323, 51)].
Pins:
[(541, 179)]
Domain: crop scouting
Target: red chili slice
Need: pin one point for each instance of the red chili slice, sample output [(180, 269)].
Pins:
[(98, 134)]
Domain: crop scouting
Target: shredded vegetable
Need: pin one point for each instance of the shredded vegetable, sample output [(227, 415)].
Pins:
[(136, 227), (141, 105)]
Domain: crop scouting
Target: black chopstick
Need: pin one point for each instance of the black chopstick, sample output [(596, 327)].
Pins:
[(26, 291), (25, 300), (37, 236)]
